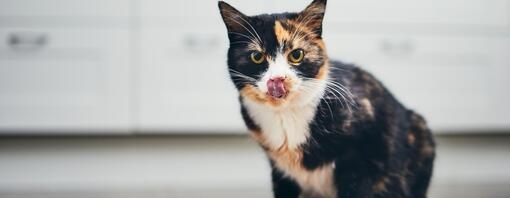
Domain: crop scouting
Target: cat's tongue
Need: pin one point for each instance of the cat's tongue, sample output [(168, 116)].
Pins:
[(276, 88)]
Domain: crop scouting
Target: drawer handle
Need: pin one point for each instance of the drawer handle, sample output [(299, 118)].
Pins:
[(200, 43), (398, 48), (27, 40)]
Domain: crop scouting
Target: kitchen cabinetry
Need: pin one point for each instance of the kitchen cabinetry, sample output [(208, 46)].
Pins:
[(62, 70), (159, 66)]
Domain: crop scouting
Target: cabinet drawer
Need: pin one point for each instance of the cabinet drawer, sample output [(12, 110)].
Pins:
[(184, 82), (432, 12), (64, 8), (58, 79), (455, 82)]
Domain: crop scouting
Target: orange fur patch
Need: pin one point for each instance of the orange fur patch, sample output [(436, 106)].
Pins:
[(282, 35), (411, 138), (380, 185), (299, 38), (319, 180), (367, 107), (284, 157), (259, 138), (323, 72), (427, 150), (289, 161)]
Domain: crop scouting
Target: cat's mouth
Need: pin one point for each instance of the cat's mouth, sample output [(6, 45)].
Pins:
[(275, 91), (276, 88)]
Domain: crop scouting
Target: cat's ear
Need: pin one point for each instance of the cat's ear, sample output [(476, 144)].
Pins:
[(313, 15), (233, 19)]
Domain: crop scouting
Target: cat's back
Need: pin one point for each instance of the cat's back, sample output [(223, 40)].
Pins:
[(401, 133)]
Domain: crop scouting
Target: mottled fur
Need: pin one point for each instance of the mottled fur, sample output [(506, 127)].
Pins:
[(338, 132)]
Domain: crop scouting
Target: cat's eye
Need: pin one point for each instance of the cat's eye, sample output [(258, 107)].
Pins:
[(296, 56), (257, 57)]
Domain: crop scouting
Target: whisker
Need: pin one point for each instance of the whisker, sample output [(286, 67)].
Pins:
[(245, 36), (240, 42), (338, 92), (347, 97), (234, 72), (254, 31)]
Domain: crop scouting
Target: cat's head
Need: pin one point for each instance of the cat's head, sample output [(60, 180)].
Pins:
[(277, 59)]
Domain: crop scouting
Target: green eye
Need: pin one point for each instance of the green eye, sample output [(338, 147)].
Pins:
[(257, 57), (296, 56)]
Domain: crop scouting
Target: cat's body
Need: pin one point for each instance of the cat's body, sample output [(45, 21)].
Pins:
[(329, 129), (380, 150)]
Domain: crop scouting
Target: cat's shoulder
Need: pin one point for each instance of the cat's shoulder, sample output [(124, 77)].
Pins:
[(351, 74)]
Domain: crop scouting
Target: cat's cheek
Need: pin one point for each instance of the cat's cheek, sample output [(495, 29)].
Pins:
[(252, 93), (262, 85)]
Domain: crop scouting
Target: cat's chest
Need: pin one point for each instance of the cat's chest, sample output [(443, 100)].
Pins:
[(282, 132), (287, 127)]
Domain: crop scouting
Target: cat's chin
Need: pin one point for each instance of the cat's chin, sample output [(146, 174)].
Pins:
[(278, 101)]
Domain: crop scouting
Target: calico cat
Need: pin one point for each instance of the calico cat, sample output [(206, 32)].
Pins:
[(329, 129)]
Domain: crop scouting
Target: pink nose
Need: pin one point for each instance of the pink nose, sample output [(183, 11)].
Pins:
[(276, 87)]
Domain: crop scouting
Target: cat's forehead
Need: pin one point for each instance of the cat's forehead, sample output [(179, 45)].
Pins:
[(279, 32), (282, 33)]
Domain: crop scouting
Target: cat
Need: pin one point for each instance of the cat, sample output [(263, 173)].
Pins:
[(329, 129)]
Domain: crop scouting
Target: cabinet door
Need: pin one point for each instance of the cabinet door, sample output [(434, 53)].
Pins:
[(64, 8), (456, 82), (184, 82), (194, 12), (63, 80), (445, 13)]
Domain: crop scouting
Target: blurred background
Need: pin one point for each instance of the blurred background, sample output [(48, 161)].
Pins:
[(131, 98)]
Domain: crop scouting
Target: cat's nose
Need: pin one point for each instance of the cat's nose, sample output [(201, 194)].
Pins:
[(276, 87)]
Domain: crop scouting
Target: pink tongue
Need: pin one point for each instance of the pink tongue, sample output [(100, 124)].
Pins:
[(276, 88)]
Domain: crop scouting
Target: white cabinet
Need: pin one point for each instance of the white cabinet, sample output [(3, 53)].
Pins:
[(159, 66), (449, 12), (194, 13), (446, 59), (184, 85), (412, 12), (65, 8), (61, 79), (456, 82), (62, 70)]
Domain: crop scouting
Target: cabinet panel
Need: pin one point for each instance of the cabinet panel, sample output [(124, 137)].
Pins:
[(184, 82), (61, 79), (54, 8), (432, 12), (454, 81), (194, 12)]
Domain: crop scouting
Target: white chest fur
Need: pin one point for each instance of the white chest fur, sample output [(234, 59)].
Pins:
[(282, 127), (283, 131)]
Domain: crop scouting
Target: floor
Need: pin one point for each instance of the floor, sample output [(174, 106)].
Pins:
[(209, 166)]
